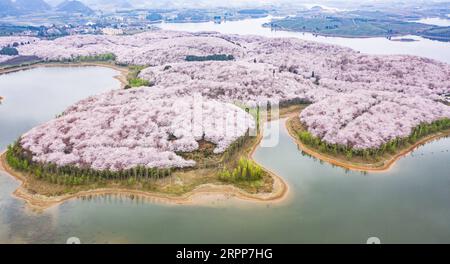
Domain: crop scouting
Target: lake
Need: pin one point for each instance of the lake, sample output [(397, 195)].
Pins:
[(436, 21), (326, 204), (409, 203), (421, 47), (34, 96)]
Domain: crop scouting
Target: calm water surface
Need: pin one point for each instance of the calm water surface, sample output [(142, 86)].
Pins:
[(410, 203), (34, 96), (422, 47), (326, 204), (436, 21)]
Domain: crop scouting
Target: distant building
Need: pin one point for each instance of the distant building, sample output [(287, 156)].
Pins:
[(217, 19), (112, 31), (28, 33)]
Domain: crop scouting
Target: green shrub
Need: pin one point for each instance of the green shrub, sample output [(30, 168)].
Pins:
[(137, 82), (246, 170), (134, 80), (99, 57), (215, 57), (21, 160)]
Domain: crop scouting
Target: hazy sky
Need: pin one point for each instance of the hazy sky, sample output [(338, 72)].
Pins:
[(232, 3)]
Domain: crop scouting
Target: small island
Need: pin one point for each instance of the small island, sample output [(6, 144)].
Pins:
[(358, 24)]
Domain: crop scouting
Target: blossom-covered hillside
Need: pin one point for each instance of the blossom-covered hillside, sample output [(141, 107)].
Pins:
[(304, 68), (340, 69), (139, 127), (368, 119), (14, 41), (148, 48), (357, 99), (231, 81)]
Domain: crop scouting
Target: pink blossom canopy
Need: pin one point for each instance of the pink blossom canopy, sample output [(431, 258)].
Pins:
[(124, 129), (357, 99)]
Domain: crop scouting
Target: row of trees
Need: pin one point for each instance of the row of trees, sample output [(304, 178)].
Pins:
[(21, 160), (137, 82), (215, 57), (246, 170), (132, 78), (235, 148), (258, 118), (98, 57), (392, 146)]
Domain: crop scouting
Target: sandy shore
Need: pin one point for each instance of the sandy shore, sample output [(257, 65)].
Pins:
[(377, 167), (40, 202)]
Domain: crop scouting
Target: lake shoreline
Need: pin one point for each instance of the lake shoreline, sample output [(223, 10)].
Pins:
[(194, 197), (336, 35), (384, 165), (122, 78)]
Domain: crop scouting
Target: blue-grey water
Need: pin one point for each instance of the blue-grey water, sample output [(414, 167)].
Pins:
[(409, 203), (380, 46)]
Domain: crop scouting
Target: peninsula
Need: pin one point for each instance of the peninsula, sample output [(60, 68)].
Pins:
[(194, 104)]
